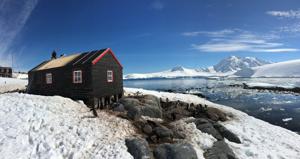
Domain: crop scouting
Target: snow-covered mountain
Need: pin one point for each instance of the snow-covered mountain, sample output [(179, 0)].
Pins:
[(225, 67), (234, 63), (175, 72), (280, 69)]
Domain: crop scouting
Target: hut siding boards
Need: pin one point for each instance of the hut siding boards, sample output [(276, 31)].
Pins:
[(101, 87), (94, 80)]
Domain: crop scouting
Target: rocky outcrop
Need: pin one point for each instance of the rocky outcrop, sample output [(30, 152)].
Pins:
[(138, 148), (220, 150), (175, 151)]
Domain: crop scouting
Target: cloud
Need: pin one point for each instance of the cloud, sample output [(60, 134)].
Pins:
[(220, 33), (158, 5), (285, 14), (13, 17), (240, 40)]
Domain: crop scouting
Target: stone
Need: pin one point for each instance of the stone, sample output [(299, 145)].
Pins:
[(227, 134), (134, 113), (152, 99), (119, 108), (129, 102), (206, 126), (216, 114), (163, 132), (138, 148), (175, 151), (220, 150), (147, 129), (150, 111)]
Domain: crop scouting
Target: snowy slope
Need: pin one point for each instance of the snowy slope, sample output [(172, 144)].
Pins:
[(225, 67), (10, 84), (280, 69), (234, 63), (175, 72), (260, 140), (55, 127)]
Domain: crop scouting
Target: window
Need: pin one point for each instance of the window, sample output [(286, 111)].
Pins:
[(77, 76), (110, 76), (49, 78)]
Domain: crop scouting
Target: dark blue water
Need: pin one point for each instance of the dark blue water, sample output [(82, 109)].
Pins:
[(266, 105)]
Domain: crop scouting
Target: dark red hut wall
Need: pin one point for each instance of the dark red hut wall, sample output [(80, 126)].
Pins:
[(101, 87)]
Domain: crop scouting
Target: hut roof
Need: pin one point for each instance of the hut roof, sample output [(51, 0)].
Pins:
[(91, 57)]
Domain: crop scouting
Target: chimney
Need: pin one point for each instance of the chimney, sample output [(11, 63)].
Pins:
[(53, 55)]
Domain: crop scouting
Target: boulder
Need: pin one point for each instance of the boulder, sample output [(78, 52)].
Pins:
[(151, 99), (147, 129), (220, 150), (226, 133), (163, 132), (134, 113), (206, 126), (175, 151), (138, 148), (216, 114), (151, 111), (119, 108), (129, 102)]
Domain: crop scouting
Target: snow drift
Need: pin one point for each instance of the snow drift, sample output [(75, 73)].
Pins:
[(11, 84), (280, 69), (54, 127)]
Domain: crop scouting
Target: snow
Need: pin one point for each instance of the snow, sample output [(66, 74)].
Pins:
[(11, 84), (226, 67), (280, 69), (259, 139), (34, 126), (269, 85), (287, 119), (175, 73), (20, 75)]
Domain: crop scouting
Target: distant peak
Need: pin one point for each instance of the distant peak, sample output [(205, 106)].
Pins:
[(177, 68)]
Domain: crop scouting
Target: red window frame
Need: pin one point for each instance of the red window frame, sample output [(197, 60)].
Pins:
[(51, 81), (74, 76), (112, 76)]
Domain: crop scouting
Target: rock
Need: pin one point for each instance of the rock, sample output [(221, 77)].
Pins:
[(147, 129), (206, 126), (175, 151), (163, 132), (129, 102), (220, 150), (138, 148), (226, 133), (151, 111), (152, 99), (216, 114), (119, 108), (134, 113)]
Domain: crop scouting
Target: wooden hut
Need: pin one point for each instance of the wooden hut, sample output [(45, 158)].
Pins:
[(5, 71), (96, 77)]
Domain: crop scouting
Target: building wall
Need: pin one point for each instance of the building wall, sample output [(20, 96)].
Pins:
[(5, 72), (62, 82), (103, 88)]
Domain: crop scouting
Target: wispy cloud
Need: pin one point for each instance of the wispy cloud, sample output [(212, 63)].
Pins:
[(240, 40), (13, 17), (285, 14), (219, 33), (158, 5)]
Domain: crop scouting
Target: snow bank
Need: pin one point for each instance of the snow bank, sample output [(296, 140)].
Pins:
[(260, 140), (280, 69), (54, 127), (10, 84), (269, 85)]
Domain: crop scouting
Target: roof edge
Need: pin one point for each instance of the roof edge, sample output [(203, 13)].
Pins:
[(108, 50)]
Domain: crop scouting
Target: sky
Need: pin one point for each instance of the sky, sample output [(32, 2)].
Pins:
[(149, 35)]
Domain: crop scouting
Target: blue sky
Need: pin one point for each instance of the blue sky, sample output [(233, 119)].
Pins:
[(150, 35)]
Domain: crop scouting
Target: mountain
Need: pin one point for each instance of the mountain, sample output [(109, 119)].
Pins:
[(280, 69), (234, 63), (175, 72), (225, 67)]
